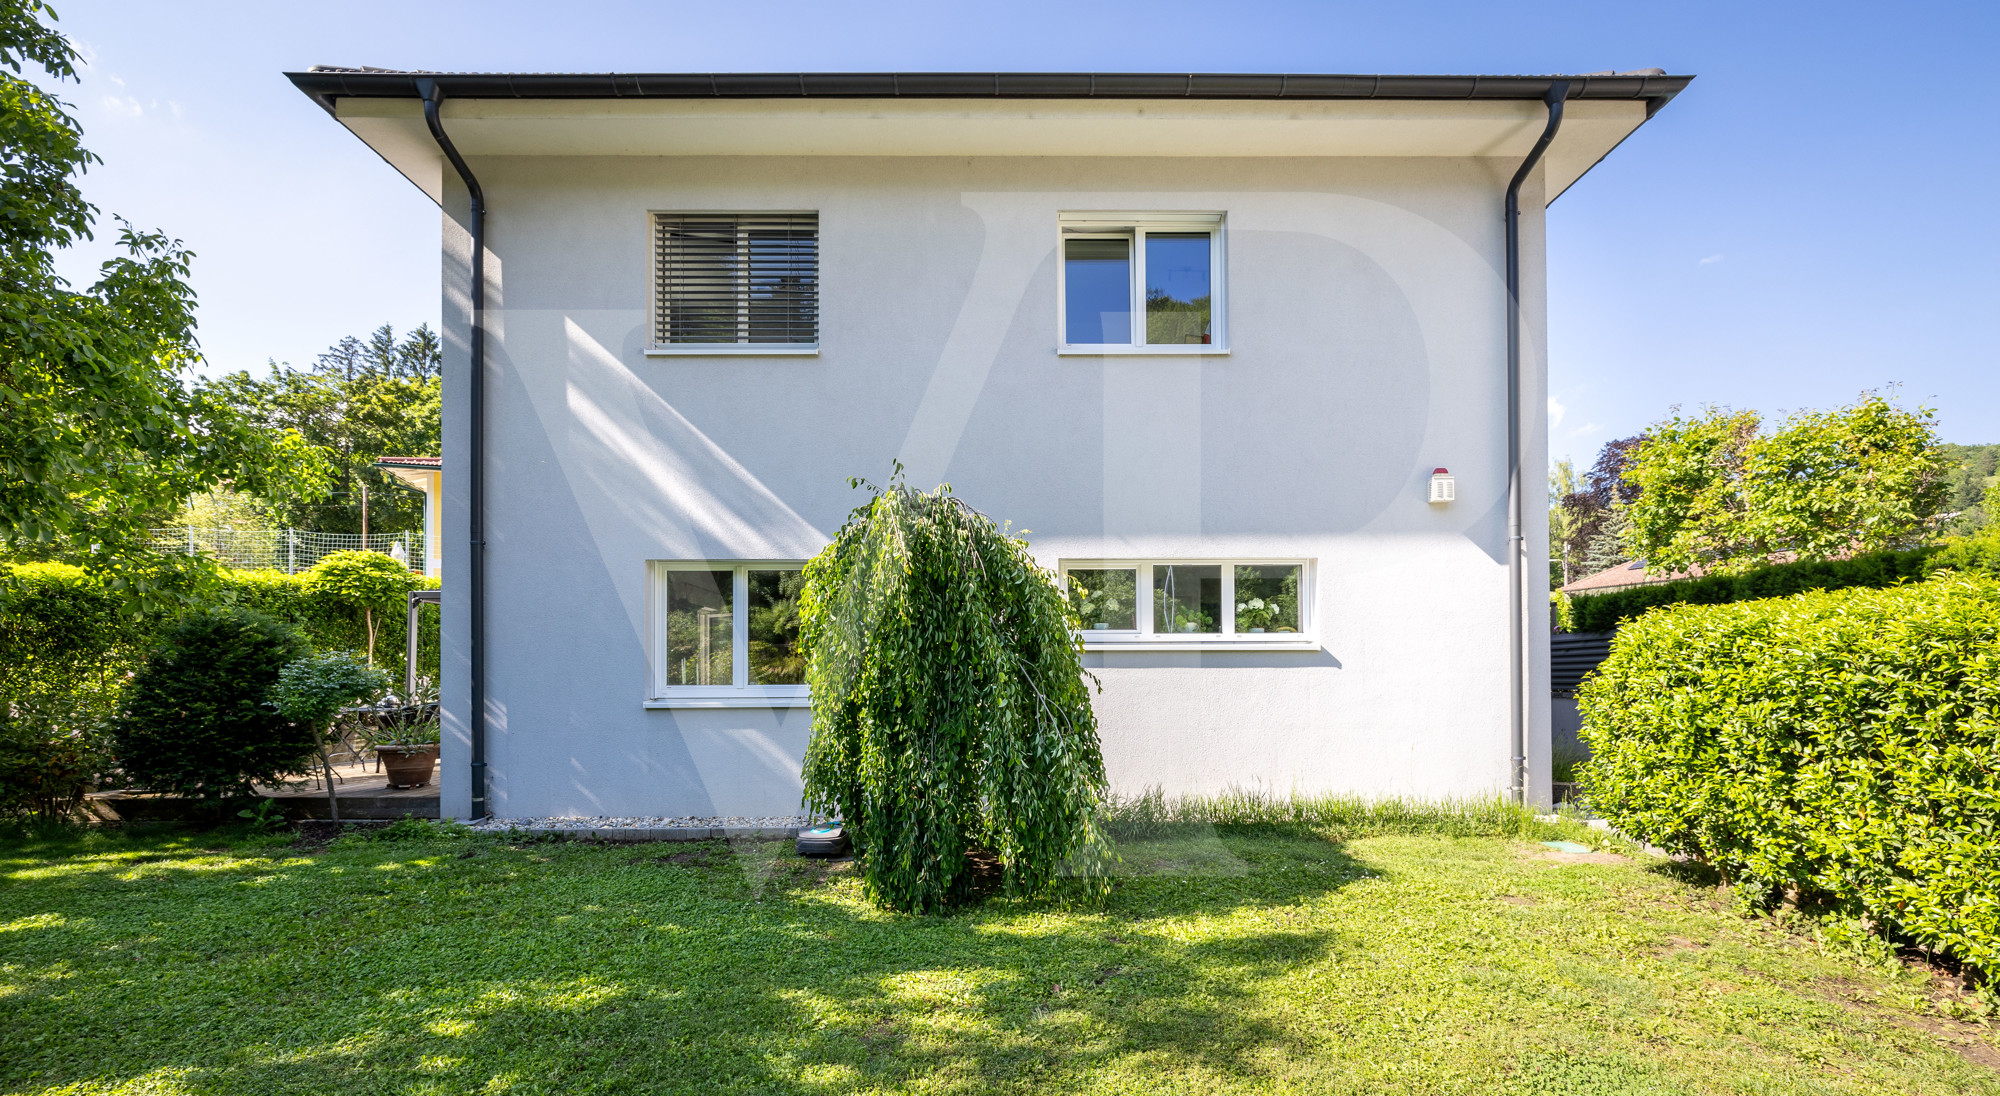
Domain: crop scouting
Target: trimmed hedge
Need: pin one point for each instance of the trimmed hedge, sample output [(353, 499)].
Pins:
[(68, 645), (1605, 612), (1842, 748)]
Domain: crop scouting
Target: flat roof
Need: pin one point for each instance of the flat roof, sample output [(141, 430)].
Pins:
[(327, 84)]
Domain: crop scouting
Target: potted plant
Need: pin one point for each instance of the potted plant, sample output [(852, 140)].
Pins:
[(405, 736)]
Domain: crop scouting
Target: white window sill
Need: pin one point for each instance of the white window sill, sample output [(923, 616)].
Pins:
[(1201, 643), (712, 350), (731, 702), (1203, 350)]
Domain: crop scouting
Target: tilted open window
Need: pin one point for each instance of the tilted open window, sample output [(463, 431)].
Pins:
[(735, 283)]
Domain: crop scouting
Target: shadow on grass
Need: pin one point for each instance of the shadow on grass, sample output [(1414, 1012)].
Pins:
[(472, 963)]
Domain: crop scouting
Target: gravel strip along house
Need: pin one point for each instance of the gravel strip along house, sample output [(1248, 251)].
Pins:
[(1258, 359)]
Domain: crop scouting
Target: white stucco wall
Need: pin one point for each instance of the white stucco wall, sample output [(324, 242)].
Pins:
[(1367, 346)]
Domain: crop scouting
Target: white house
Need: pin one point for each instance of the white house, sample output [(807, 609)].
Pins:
[(1209, 338)]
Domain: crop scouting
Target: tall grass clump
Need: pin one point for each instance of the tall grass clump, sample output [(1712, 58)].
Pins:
[(1153, 813)]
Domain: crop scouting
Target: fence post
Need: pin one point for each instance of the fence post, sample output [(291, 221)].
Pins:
[(291, 551), (190, 538)]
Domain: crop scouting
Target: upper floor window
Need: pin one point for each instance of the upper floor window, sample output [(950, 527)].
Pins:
[(1142, 283), (738, 283)]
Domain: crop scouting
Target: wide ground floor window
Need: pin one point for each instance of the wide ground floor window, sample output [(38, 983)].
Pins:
[(726, 633), (1154, 602)]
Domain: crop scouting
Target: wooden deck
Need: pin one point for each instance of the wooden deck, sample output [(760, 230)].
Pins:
[(363, 795)]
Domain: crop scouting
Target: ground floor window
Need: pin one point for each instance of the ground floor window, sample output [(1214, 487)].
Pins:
[(1228, 601), (726, 631)]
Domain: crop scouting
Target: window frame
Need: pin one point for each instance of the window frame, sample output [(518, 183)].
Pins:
[(655, 349), (660, 694), (1134, 226), (1143, 638)]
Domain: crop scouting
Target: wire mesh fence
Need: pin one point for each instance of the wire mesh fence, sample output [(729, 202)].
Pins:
[(288, 550)]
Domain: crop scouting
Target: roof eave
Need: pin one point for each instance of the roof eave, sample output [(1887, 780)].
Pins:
[(326, 85)]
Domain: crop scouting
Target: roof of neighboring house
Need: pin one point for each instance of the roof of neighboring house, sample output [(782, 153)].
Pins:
[(328, 83), (434, 463), (1626, 574)]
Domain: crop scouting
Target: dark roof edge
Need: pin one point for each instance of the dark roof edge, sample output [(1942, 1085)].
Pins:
[(327, 84)]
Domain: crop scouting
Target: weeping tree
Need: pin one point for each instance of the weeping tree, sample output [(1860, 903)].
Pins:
[(949, 703)]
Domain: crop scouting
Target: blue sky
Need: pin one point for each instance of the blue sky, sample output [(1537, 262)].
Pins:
[(1816, 216)]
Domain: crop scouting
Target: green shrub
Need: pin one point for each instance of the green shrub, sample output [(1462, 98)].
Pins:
[(1604, 612), (949, 707), (197, 719), (1841, 746)]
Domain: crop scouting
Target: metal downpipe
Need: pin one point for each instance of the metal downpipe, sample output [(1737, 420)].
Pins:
[(1516, 542), (476, 445)]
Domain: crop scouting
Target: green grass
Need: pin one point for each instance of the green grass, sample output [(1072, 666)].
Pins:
[(1227, 959)]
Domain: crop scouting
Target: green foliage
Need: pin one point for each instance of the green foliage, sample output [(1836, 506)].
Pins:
[(1603, 612), (65, 637), (99, 436), (367, 582), (313, 689), (362, 580), (66, 645), (1840, 746), (197, 719), (949, 705), (1972, 486), (361, 401), (1713, 491)]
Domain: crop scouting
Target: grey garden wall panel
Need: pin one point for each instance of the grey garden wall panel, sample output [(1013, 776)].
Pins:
[(1367, 346)]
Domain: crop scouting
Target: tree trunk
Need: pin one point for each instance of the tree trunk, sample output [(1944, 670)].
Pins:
[(368, 615), (332, 800)]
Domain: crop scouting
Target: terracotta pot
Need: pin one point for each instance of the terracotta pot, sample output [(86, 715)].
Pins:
[(408, 766)]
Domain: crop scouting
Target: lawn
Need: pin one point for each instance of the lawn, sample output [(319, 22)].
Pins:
[(1226, 960)]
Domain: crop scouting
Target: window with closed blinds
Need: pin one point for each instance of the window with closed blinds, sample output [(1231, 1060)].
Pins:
[(743, 279)]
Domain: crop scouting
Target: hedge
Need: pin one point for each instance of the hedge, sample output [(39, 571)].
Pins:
[(1605, 612), (1841, 747), (68, 645), (57, 621)]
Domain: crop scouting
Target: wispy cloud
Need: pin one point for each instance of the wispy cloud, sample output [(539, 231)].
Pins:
[(1715, 258), (1556, 412)]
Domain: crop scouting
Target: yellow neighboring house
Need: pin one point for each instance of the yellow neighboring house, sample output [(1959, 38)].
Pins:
[(425, 474)]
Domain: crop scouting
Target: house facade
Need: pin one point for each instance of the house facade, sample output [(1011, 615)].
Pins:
[(1215, 343)]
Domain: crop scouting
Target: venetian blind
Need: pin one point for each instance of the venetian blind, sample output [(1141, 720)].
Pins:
[(742, 278)]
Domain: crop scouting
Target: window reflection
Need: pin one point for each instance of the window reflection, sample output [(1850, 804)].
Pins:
[(775, 658), (1177, 290), (1187, 599), (1097, 281), (700, 627), (1106, 600)]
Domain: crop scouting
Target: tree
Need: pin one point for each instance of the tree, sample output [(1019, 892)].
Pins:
[(100, 436), (311, 692), (1585, 511), (949, 706), (1716, 492), (368, 581), (361, 400)]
